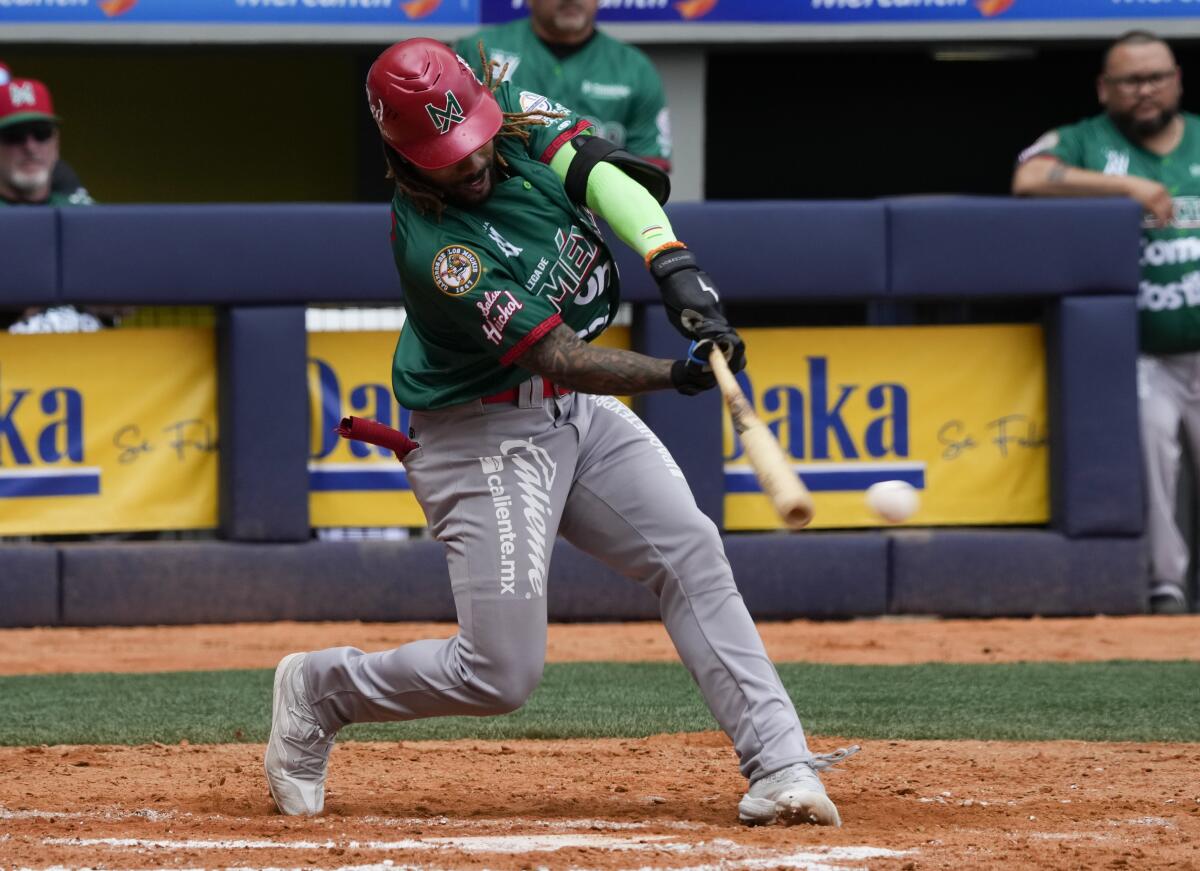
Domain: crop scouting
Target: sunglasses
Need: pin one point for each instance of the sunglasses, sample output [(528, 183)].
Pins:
[(41, 131)]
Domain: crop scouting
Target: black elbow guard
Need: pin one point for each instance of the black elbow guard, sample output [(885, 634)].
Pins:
[(590, 150)]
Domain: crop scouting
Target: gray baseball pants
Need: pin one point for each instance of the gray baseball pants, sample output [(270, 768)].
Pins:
[(497, 482), (1168, 397)]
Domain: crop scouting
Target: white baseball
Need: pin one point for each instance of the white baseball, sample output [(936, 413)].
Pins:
[(894, 501)]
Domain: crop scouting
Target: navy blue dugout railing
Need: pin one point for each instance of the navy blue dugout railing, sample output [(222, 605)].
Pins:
[(263, 264)]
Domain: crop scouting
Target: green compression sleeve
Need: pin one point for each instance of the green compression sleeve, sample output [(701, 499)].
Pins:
[(634, 215)]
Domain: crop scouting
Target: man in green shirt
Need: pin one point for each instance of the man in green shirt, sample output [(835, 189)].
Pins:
[(29, 141), (506, 279), (1143, 147), (557, 51)]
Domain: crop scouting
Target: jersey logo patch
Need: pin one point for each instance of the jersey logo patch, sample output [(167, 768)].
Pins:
[(444, 118), (1116, 162), (531, 102), (456, 270), (497, 309)]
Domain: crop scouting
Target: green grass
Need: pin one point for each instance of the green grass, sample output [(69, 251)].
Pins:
[(1107, 701)]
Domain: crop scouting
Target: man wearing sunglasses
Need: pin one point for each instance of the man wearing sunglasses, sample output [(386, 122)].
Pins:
[(29, 141), (1142, 146)]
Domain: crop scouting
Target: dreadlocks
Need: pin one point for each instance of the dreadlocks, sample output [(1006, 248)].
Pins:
[(427, 198)]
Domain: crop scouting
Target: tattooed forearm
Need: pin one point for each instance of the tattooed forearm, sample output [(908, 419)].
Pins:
[(1057, 173), (566, 359)]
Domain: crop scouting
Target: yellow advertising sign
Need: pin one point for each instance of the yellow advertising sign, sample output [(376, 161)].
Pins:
[(959, 412), (352, 483), (108, 432)]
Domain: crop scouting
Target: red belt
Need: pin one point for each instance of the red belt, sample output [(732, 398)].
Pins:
[(549, 388)]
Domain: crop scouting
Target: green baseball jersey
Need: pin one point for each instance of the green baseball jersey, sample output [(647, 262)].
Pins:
[(1169, 297), (482, 285), (612, 84)]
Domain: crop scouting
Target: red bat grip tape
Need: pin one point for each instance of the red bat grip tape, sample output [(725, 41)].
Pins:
[(375, 433)]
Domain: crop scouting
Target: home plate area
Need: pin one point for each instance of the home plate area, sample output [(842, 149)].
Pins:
[(427, 844)]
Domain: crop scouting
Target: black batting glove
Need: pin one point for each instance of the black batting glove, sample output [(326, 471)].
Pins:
[(693, 306), (695, 375)]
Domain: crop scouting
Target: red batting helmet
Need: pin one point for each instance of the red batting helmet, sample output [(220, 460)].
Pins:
[(429, 105)]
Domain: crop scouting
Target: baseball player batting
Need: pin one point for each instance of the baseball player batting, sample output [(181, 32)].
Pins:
[(506, 278)]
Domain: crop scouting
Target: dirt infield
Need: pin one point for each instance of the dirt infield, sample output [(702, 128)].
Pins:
[(860, 642), (663, 802)]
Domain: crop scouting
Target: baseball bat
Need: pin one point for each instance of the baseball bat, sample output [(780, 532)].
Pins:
[(790, 498)]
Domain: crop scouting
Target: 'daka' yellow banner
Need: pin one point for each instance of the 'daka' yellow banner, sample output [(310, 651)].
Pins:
[(108, 432), (959, 412)]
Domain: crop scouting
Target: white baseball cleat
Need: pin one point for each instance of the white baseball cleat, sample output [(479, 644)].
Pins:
[(298, 750), (793, 795)]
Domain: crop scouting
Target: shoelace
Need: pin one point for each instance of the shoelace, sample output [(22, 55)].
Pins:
[(826, 760)]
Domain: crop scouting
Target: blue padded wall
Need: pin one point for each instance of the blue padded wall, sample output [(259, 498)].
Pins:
[(689, 426), (28, 585), (180, 582), (264, 423), (780, 576), (1095, 459), (774, 250), (235, 254), (28, 256), (1014, 573), (955, 247), (810, 574)]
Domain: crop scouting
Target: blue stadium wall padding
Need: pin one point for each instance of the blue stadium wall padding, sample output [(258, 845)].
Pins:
[(28, 585), (783, 576), (28, 256), (264, 424), (131, 584), (756, 251), (774, 250), (951, 247), (1095, 460), (135, 584), (688, 426), (1015, 573), (234, 254)]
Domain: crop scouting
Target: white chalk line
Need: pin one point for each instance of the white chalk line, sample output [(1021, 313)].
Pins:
[(391, 822), (728, 854), (820, 859), (468, 844), (141, 814)]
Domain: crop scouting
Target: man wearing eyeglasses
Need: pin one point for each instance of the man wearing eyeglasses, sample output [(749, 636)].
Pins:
[(29, 148), (1143, 147)]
